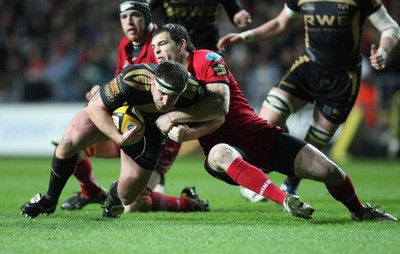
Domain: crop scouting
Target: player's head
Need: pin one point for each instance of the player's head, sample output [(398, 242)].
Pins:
[(169, 81), (170, 40), (136, 19)]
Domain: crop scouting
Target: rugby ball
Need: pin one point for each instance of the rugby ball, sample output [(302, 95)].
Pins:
[(126, 117)]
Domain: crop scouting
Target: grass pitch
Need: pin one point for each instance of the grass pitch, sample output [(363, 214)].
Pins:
[(232, 226)]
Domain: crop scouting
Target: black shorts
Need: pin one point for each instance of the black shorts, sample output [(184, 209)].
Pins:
[(333, 91), (148, 149)]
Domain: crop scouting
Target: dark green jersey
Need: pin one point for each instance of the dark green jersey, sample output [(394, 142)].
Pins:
[(333, 29)]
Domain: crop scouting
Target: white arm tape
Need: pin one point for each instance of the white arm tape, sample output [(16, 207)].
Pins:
[(291, 14), (248, 36), (384, 23), (382, 52)]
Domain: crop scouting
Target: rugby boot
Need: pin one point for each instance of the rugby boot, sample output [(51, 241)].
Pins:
[(201, 205), (369, 213), (295, 206), (78, 201), (39, 204)]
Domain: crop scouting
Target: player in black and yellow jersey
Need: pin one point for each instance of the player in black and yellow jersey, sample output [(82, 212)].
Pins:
[(328, 73), (200, 17), (154, 90)]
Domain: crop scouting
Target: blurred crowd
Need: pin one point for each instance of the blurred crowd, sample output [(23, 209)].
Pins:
[(54, 51)]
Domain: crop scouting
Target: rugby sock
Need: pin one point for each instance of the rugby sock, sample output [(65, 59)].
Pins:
[(162, 202), (84, 174), (168, 156), (346, 194), (254, 179), (61, 170)]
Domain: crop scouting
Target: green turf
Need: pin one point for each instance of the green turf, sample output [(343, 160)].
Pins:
[(232, 226)]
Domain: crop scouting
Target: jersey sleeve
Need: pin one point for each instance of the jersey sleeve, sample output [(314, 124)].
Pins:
[(210, 67), (231, 7), (370, 6), (293, 5), (130, 86)]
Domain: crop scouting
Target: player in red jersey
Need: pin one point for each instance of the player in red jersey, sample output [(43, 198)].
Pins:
[(245, 142), (329, 71), (134, 48)]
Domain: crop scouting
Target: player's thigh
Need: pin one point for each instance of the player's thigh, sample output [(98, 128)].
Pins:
[(79, 134), (310, 163)]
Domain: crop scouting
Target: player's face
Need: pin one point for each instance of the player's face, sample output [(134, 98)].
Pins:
[(165, 48), (163, 102), (133, 26)]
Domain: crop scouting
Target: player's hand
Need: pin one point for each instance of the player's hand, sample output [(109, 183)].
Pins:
[(242, 19), (229, 39), (179, 133), (93, 91), (377, 59), (164, 123), (132, 136)]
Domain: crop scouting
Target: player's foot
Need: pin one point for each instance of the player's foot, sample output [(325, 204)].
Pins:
[(290, 185), (201, 205), (78, 201), (113, 207), (38, 204), (251, 195), (295, 206), (369, 213)]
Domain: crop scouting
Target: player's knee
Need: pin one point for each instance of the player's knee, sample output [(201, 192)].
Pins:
[(218, 161), (278, 103), (221, 156)]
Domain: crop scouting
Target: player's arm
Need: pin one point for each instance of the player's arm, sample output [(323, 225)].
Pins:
[(99, 114), (390, 34), (214, 105), (270, 30), (184, 132)]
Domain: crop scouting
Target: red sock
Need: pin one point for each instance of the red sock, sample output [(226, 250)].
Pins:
[(346, 194), (254, 179), (162, 202), (167, 156), (84, 175)]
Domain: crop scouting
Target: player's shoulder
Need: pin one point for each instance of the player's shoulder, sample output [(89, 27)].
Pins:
[(150, 67)]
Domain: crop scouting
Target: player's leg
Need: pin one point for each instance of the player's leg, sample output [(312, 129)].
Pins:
[(91, 190), (310, 163), (226, 163), (64, 163), (319, 134), (132, 181), (276, 108), (153, 200)]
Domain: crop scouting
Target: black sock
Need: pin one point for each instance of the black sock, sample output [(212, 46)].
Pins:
[(113, 190), (61, 170)]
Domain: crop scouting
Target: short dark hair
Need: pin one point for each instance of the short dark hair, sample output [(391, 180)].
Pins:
[(174, 75), (177, 33)]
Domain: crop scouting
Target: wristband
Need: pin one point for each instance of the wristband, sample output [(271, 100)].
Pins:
[(382, 52), (248, 36)]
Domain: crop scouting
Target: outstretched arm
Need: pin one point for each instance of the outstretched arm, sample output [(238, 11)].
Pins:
[(268, 31)]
